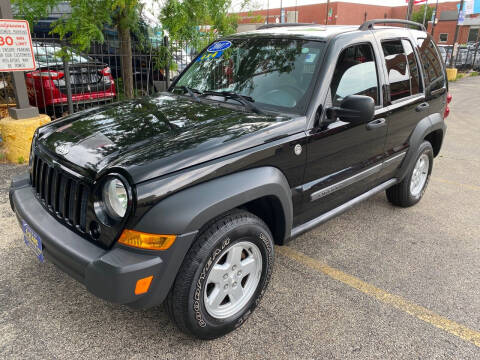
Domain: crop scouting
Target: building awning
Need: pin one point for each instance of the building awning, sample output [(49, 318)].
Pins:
[(472, 21)]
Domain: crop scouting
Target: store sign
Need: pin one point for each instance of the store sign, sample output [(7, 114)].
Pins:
[(468, 6), (16, 51)]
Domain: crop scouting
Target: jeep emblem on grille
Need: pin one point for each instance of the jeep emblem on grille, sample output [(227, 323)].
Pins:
[(62, 149)]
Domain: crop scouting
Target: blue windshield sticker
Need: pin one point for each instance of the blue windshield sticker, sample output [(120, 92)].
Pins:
[(210, 55), (219, 46), (310, 58)]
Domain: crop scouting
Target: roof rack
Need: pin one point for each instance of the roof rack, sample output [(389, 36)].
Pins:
[(268, 26), (368, 25)]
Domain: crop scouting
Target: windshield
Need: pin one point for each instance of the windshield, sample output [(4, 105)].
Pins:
[(277, 74), (48, 54)]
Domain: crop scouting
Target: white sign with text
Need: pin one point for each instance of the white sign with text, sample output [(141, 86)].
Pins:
[(16, 51)]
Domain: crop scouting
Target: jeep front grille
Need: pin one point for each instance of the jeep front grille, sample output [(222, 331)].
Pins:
[(63, 195)]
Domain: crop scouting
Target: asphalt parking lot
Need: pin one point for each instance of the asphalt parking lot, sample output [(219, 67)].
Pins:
[(377, 282)]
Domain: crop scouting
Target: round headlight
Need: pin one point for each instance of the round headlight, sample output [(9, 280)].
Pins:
[(115, 198)]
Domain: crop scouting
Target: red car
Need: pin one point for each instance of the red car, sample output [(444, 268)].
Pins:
[(91, 81)]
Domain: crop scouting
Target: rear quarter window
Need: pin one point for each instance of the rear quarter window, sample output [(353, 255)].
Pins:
[(402, 68), (432, 64)]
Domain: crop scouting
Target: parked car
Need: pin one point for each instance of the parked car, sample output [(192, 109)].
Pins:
[(468, 56), (91, 80), (445, 53), (180, 197)]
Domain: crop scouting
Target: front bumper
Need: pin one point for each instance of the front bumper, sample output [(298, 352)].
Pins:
[(109, 274)]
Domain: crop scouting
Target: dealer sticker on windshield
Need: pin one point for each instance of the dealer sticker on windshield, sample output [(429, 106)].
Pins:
[(33, 240), (219, 46), (209, 56)]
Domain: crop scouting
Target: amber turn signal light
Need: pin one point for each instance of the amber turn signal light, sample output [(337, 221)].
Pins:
[(143, 285), (147, 241)]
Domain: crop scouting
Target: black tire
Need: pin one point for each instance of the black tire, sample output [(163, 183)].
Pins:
[(400, 194), (185, 301)]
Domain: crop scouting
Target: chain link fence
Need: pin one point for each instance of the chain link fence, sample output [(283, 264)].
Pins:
[(66, 81)]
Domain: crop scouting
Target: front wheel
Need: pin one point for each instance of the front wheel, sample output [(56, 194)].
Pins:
[(223, 276), (411, 189)]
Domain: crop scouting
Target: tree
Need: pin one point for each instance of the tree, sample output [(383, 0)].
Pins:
[(198, 21), (417, 16), (86, 24)]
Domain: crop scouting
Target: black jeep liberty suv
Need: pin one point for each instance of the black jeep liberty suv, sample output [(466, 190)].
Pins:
[(180, 197)]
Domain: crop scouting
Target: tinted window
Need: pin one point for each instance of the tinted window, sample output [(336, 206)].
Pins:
[(432, 65), (415, 82), (402, 69), (355, 74), (276, 73)]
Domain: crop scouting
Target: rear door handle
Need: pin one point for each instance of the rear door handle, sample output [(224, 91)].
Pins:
[(374, 124), (422, 106)]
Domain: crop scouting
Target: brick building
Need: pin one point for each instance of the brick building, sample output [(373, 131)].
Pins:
[(350, 13)]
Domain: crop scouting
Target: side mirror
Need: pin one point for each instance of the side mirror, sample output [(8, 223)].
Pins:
[(355, 109)]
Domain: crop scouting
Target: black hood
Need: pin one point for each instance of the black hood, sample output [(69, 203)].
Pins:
[(150, 137)]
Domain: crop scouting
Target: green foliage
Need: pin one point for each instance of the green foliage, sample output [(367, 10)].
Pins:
[(20, 160), (86, 23), (88, 18), (255, 19), (474, 73), (182, 19), (417, 16)]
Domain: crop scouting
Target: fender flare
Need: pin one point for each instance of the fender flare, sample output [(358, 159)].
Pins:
[(424, 127), (190, 209)]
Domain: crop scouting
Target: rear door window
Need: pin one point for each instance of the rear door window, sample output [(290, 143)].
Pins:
[(402, 68), (432, 65)]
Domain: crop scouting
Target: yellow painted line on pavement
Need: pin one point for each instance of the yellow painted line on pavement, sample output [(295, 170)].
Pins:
[(468, 186), (396, 301)]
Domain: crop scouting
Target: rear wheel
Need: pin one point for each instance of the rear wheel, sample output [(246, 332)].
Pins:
[(223, 276), (411, 189)]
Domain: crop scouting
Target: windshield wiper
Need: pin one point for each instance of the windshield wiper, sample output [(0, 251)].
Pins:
[(246, 101), (190, 92)]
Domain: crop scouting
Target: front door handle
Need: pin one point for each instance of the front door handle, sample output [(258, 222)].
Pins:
[(422, 106), (375, 124)]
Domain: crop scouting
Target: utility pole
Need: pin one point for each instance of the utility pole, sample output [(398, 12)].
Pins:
[(268, 8), (425, 11), (326, 12), (410, 9), (434, 19), (456, 33), (281, 11), (23, 110), (296, 12)]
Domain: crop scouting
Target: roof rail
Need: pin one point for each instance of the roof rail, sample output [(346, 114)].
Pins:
[(368, 25), (268, 26)]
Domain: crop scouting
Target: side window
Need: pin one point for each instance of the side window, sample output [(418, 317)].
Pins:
[(402, 69), (432, 65), (355, 74), (415, 81), (443, 37)]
